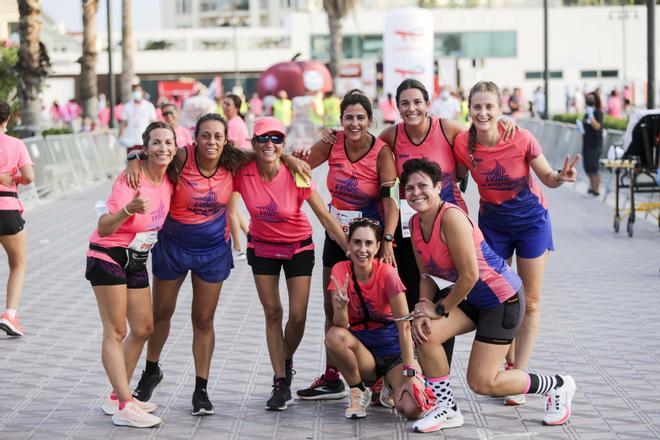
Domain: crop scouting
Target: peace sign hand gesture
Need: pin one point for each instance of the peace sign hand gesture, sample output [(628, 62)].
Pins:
[(568, 173), (340, 296)]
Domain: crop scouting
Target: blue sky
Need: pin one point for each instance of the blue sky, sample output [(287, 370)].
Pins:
[(146, 14)]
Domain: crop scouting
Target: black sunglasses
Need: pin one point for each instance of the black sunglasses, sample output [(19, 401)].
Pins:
[(274, 138)]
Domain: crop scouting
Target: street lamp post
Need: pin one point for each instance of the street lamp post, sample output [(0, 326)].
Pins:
[(623, 15), (650, 54), (234, 21), (545, 59)]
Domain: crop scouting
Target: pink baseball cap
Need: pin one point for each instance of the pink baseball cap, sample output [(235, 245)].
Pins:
[(269, 125)]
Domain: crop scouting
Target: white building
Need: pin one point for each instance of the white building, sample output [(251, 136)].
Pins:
[(502, 44)]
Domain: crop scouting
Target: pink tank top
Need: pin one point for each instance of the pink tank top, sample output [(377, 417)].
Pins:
[(435, 147), (355, 186), (199, 199), (496, 283)]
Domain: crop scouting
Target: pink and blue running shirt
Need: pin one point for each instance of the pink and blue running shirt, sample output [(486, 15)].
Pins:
[(159, 201), (497, 282), (435, 147), (355, 186), (198, 215), (13, 155), (381, 338), (274, 206), (510, 197)]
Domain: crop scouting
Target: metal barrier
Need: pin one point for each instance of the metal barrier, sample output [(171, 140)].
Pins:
[(68, 163), (559, 139)]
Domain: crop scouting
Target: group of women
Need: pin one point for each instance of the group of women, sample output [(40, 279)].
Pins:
[(397, 230)]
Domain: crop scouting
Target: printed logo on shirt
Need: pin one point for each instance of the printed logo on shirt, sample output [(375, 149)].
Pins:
[(337, 165), (434, 269), (498, 179), (404, 156), (207, 205), (349, 191), (157, 217), (270, 213)]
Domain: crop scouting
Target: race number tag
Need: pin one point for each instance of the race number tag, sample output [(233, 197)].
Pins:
[(406, 213), (144, 241), (344, 217)]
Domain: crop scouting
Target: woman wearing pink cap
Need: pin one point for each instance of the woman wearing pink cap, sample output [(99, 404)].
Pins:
[(280, 237)]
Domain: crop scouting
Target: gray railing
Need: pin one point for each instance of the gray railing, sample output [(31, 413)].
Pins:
[(69, 163), (559, 139)]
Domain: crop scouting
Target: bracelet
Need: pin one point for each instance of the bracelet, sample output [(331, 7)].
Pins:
[(126, 211)]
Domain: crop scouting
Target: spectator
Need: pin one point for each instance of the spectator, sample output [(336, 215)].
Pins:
[(446, 106), (256, 105), (171, 116), (388, 109), (283, 108), (539, 102), (592, 141), (614, 104), (136, 116)]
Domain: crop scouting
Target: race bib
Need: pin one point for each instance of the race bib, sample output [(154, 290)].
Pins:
[(144, 241), (406, 213), (344, 217)]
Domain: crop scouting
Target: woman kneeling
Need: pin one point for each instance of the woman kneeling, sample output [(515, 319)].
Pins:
[(365, 340)]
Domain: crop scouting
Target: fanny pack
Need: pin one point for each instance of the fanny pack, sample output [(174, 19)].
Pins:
[(278, 251), (134, 257), (9, 194)]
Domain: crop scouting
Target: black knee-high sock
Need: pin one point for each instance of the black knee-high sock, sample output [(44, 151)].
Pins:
[(542, 384)]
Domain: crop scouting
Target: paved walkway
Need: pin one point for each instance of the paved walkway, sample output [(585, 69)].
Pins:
[(601, 323)]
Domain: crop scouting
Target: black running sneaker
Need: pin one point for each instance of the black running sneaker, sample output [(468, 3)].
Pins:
[(202, 406), (147, 384), (322, 389), (290, 372), (281, 397)]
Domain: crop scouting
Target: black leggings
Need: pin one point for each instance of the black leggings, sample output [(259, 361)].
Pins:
[(409, 274)]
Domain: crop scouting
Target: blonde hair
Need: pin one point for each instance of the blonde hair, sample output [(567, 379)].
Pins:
[(480, 87)]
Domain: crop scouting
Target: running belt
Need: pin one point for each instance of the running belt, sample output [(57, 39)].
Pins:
[(9, 194)]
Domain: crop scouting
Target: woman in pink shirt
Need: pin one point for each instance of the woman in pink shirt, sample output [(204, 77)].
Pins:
[(116, 269), (238, 135), (15, 168), (281, 238), (170, 115)]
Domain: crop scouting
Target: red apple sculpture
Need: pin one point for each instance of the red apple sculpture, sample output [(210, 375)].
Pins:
[(296, 77)]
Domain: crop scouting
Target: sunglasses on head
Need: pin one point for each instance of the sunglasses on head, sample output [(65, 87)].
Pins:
[(364, 221), (274, 138)]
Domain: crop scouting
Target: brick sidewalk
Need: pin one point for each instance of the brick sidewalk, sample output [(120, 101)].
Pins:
[(600, 324)]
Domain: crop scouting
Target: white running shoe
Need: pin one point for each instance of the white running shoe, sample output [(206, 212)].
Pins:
[(360, 400), (558, 402), (439, 417), (515, 400), (134, 416), (386, 398), (111, 406)]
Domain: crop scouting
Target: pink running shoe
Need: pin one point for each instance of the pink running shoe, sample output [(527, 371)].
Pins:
[(10, 325)]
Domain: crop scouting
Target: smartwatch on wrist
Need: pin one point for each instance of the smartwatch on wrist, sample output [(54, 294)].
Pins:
[(440, 310), (388, 237), (409, 372)]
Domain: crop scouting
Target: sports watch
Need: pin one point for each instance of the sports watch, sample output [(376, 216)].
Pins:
[(440, 310), (409, 372), (388, 237)]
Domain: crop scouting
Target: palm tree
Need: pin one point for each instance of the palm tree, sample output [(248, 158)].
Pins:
[(336, 11), (33, 62), (88, 84), (127, 73)]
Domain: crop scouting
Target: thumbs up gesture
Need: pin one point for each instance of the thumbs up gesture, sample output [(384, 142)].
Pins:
[(138, 205)]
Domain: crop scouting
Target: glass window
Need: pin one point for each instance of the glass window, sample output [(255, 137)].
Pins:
[(609, 73), (589, 74), (533, 75)]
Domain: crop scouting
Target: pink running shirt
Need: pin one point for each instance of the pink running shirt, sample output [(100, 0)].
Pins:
[(378, 290), (237, 132), (159, 197), (274, 206), (355, 186), (13, 155), (435, 147), (503, 173), (496, 283)]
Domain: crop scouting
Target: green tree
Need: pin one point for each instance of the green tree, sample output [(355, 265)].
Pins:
[(8, 78)]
